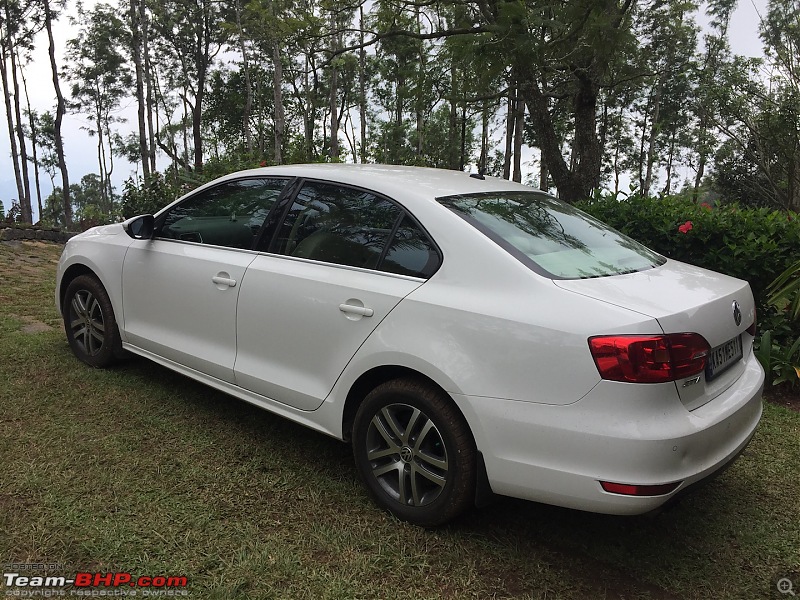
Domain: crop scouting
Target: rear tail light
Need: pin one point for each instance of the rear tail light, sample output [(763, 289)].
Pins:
[(626, 489), (649, 358)]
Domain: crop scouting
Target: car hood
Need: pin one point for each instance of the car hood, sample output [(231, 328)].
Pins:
[(102, 231), (681, 297)]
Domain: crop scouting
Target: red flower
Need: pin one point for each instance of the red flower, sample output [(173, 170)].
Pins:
[(263, 163), (706, 205), (686, 227)]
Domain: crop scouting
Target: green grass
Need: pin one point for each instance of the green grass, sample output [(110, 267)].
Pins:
[(141, 470)]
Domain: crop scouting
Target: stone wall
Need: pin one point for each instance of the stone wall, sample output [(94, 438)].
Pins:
[(49, 234)]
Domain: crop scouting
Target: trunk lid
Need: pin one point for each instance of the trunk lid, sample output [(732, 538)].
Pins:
[(685, 298)]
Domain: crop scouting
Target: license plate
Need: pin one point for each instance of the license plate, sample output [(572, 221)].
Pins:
[(723, 356)]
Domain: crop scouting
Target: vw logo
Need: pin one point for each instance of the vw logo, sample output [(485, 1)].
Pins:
[(737, 313), (406, 454)]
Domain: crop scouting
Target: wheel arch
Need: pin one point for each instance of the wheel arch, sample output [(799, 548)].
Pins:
[(374, 377), (72, 272)]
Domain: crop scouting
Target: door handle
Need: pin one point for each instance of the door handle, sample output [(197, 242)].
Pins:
[(223, 281), (356, 310)]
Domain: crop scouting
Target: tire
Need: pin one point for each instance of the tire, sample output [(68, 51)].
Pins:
[(89, 322), (415, 453)]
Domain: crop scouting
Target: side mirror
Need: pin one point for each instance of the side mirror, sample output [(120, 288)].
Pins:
[(140, 228)]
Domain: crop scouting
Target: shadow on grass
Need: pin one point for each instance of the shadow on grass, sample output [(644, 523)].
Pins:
[(716, 541)]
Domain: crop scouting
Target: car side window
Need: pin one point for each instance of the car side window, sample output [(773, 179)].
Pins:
[(230, 214), (337, 224), (411, 252)]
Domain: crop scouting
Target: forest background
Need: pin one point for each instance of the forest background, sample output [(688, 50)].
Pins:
[(572, 96)]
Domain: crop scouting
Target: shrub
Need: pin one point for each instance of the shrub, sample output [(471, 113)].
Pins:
[(752, 244), (148, 197), (755, 244)]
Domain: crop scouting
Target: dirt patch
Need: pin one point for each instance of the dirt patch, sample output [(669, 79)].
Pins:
[(31, 325), (35, 326), (785, 395)]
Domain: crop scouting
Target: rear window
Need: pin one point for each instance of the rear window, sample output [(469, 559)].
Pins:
[(553, 238)]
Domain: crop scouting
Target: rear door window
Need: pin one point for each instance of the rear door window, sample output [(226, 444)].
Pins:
[(337, 224)]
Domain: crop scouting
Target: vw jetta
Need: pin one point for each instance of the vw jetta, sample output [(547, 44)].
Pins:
[(467, 336)]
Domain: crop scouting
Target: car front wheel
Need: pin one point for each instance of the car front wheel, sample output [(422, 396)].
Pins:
[(415, 452), (89, 322)]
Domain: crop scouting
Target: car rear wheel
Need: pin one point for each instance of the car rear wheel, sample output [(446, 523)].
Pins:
[(415, 452), (89, 322)]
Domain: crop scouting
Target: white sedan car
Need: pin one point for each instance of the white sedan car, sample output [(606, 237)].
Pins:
[(468, 336)]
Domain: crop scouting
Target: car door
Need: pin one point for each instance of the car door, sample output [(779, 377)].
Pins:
[(180, 289), (339, 262)]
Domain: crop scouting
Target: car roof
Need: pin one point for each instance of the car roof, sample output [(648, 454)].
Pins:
[(406, 183)]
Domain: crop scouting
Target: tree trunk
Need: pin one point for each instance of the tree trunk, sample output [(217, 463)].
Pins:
[(463, 154), (34, 145), (110, 169), (519, 122), (277, 88), (248, 86), (25, 200), (452, 136), (670, 159), (197, 121), (309, 111), (543, 174), (60, 110), (510, 113), (484, 157), (101, 158), (420, 99), (12, 138), (148, 83), (651, 143), (362, 85), (202, 60), (136, 51), (334, 94), (702, 157), (568, 184)]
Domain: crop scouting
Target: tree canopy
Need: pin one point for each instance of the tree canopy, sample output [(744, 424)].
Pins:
[(603, 91)]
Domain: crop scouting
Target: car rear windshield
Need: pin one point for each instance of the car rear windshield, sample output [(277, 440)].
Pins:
[(553, 238)]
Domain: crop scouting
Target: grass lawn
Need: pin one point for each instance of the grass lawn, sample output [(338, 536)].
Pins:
[(141, 470)]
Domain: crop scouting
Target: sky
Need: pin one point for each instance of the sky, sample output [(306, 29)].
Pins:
[(80, 149)]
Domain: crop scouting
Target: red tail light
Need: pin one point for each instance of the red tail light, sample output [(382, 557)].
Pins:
[(649, 358), (639, 490)]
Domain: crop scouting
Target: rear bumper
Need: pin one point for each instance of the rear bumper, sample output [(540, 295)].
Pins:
[(622, 433)]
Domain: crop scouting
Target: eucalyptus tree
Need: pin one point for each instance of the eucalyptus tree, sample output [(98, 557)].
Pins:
[(100, 77), (670, 35), (58, 140), (187, 35), (561, 52), (780, 32), (236, 119), (139, 50), (396, 61), (716, 56), (263, 28), (20, 21)]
